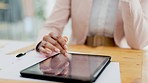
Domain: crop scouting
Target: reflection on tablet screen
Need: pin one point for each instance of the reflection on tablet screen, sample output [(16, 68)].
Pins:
[(79, 66)]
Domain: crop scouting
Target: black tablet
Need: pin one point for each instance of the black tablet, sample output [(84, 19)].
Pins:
[(76, 68)]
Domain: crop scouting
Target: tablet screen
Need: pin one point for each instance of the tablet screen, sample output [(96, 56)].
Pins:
[(84, 67)]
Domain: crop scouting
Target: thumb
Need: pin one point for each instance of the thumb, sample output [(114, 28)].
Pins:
[(65, 38)]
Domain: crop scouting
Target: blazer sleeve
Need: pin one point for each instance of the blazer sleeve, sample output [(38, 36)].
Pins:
[(57, 20), (135, 19)]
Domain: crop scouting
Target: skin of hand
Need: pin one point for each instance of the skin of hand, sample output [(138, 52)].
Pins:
[(53, 43)]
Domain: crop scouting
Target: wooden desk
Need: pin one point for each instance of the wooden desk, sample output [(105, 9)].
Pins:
[(131, 62)]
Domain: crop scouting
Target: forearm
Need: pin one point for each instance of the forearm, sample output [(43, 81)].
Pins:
[(57, 20), (135, 23)]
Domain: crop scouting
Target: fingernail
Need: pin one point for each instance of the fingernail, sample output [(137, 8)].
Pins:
[(49, 52), (65, 46), (66, 51), (66, 54), (57, 50)]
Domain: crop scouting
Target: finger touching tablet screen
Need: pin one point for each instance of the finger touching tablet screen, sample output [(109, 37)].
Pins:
[(76, 68)]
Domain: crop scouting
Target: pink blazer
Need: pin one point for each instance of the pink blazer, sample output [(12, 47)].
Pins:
[(131, 29)]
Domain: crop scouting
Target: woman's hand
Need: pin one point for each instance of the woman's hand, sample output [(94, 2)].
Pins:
[(53, 43)]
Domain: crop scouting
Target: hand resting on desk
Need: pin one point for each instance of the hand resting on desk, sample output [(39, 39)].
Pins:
[(53, 43)]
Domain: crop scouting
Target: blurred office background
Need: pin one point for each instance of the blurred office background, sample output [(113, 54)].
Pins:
[(22, 19)]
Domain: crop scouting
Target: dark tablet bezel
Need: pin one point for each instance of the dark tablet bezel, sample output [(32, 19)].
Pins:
[(94, 76)]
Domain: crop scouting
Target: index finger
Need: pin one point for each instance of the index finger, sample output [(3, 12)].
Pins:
[(61, 40)]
